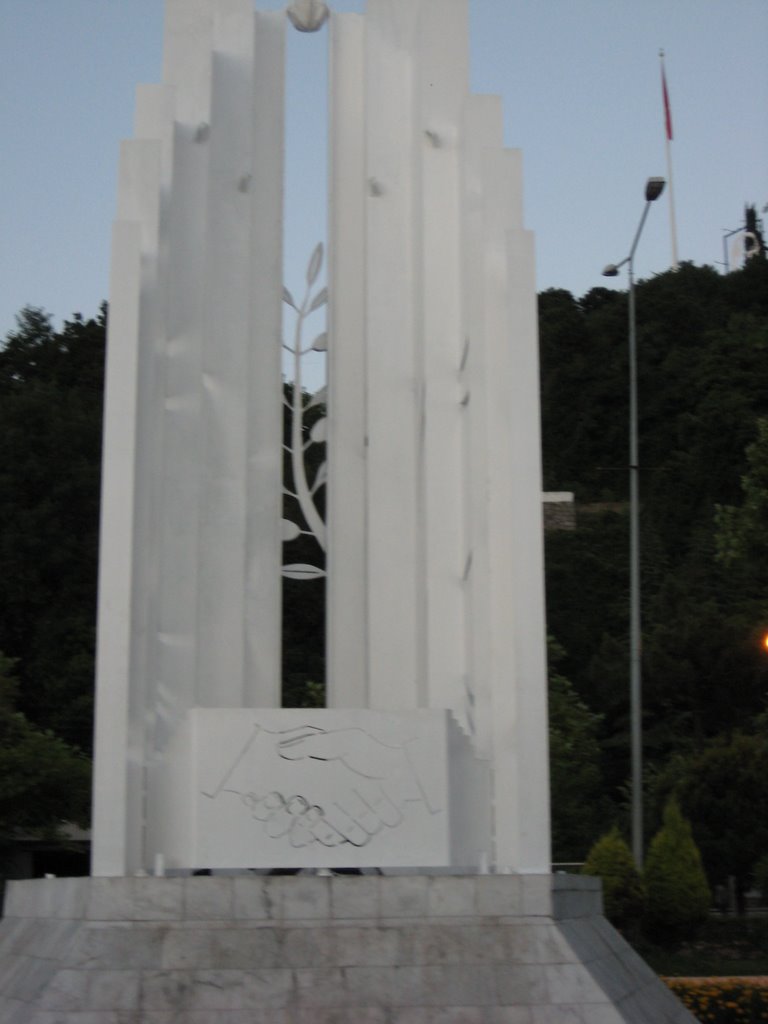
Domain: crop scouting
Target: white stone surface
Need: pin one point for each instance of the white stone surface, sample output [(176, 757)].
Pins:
[(189, 593), (435, 593), (441, 329), (268, 788), (353, 897), (347, 618)]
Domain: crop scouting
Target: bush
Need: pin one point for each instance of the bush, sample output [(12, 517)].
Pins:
[(677, 896), (611, 860)]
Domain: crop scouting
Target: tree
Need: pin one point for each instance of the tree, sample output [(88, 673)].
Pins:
[(677, 896), (611, 860), (723, 790), (703, 382), (44, 783), (580, 809), (50, 448), (742, 529)]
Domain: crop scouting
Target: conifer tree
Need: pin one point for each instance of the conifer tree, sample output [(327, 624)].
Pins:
[(611, 860), (677, 893)]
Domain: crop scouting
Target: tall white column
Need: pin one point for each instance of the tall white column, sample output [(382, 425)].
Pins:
[(265, 403), (122, 692), (441, 60), (531, 738), (187, 69), (190, 568), (347, 682), (394, 396), (483, 132), (434, 467), (224, 360), (111, 796), (517, 669)]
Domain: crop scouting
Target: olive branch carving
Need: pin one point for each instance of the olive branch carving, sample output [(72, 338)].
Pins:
[(306, 492)]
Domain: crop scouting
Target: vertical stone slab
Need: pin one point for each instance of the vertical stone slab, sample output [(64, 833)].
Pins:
[(500, 180), (483, 131), (395, 400), (514, 835), (116, 557), (186, 55), (226, 284), (190, 557), (121, 693), (187, 68), (441, 60), (527, 537), (181, 436), (154, 122), (346, 584), (263, 542)]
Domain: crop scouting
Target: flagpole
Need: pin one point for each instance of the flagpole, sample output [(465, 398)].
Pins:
[(668, 140)]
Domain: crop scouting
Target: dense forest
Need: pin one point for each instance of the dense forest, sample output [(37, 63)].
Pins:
[(703, 400)]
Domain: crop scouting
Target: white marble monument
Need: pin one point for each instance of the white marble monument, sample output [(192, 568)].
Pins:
[(431, 756), (433, 538)]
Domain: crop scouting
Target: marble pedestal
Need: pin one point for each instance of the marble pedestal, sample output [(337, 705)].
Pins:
[(404, 949)]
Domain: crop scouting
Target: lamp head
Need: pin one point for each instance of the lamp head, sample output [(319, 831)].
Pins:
[(653, 188), (611, 270)]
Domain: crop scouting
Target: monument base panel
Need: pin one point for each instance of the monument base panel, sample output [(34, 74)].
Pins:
[(369, 949), (242, 788)]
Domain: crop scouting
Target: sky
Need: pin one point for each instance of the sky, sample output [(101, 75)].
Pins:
[(580, 81)]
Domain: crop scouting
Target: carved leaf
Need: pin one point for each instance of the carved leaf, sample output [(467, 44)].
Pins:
[(290, 530), (315, 263), (321, 477), (300, 571), (319, 300), (320, 344), (319, 431), (287, 297)]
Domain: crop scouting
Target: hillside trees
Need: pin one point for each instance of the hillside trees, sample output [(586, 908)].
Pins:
[(742, 528), (50, 444), (580, 808), (43, 781), (703, 381)]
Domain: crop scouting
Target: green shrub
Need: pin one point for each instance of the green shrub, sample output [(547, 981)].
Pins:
[(677, 896), (611, 860)]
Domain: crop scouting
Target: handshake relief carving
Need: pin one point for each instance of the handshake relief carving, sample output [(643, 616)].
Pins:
[(370, 788)]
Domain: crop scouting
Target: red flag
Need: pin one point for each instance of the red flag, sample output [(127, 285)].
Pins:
[(667, 110)]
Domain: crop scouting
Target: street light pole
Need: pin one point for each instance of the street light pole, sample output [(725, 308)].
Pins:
[(653, 189)]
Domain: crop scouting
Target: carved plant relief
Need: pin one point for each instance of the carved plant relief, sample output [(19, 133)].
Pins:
[(306, 483)]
